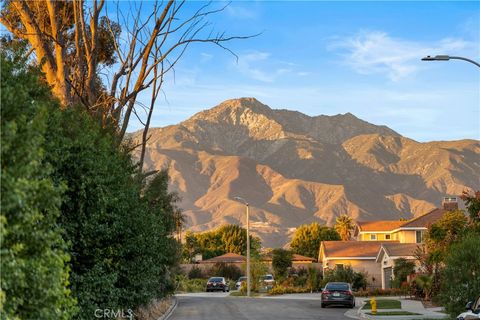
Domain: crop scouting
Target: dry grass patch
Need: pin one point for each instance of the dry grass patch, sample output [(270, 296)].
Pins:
[(154, 309)]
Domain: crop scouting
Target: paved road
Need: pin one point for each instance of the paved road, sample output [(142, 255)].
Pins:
[(219, 306)]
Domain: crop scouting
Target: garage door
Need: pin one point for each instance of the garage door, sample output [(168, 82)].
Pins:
[(387, 273)]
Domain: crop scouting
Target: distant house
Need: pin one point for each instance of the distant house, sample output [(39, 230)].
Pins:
[(296, 259), (225, 258), (379, 243)]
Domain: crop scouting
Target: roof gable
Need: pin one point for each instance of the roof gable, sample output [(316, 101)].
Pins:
[(379, 225), (424, 221), (351, 249), (295, 257), (226, 258), (396, 250)]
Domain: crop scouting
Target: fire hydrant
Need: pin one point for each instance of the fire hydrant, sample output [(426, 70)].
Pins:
[(373, 304)]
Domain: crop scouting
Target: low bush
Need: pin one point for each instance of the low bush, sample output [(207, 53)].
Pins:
[(190, 285), (380, 292), (278, 290), (195, 273), (228, 271), (345, 274)]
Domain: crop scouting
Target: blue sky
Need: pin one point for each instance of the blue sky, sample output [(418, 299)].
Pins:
[(336, 57)]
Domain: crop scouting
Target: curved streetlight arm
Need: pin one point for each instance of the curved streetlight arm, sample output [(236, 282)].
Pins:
[(447, 58), (466, 59)]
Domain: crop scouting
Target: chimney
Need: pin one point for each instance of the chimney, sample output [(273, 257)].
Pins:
[(450, 203)]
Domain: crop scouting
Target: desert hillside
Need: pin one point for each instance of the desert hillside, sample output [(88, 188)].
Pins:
[(295, 169)]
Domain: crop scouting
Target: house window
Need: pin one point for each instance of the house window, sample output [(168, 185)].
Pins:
[(373, 237), (339, 266), (419, 236), (387, 237)]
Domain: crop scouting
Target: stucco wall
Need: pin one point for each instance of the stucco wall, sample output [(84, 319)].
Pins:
[(374, 276), (380, 237), (406, 236)]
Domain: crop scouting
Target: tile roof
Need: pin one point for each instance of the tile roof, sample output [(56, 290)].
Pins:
[(426, 219), (295, 257), (400, 249), (298, 257), (379, 225), (352, 249), (226, 258), (422, 221)]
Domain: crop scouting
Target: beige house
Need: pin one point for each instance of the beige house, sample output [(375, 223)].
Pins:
[(387, 255), (359, 255), (378, 244)]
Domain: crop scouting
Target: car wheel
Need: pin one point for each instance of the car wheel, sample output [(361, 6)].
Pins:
[(352, 306), (322, 305)]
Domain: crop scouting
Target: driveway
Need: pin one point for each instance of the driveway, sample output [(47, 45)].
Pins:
[(220, 306)]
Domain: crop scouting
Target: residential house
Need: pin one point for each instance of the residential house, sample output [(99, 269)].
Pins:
[(297, 259), (387, 255), (360, 255), (378, 243)]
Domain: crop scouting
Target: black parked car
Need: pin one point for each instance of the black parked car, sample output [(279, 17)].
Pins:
[(217, 284), (338, 293)]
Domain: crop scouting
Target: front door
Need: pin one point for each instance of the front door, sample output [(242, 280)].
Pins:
[(387, 275)]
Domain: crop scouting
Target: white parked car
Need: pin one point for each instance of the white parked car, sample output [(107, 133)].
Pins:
[(268, 279), (240, 280), (473, 311)]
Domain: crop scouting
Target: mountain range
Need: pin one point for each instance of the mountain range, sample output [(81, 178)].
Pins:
[(294, 169)]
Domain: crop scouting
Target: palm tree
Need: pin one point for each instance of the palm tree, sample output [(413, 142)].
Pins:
[(344, 226)]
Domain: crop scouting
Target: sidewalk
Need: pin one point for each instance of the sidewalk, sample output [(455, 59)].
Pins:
[(407, 305)]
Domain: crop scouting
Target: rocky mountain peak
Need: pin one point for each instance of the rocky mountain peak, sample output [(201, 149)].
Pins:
[(294, 168)]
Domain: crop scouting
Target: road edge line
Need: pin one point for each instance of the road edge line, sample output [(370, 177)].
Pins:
[(170, 310)]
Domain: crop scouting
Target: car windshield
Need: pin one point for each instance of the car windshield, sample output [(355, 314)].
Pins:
[(337, 286), (268, 278), (215, 279), (242, 279)]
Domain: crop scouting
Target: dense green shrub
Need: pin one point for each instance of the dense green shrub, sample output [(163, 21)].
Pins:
[(228, 238), (461, 276), (358, 280), (190, 285), (380, 292), (226, 270), (281, 262), (307, 238), (34, 272), (401, 270), (120, 236), (257, 270), (195, 273)]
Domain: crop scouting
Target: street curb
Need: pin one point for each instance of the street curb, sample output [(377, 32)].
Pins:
[(170, 310)]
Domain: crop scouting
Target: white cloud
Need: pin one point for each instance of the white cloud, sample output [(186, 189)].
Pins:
[(260, 66), (204, 57), (375, 52), (241, 12)]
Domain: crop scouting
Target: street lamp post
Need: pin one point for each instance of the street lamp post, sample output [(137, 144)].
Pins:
[(248, 243), (447, 58)]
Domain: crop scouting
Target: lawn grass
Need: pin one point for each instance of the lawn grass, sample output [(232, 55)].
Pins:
[(394, 313), (385, 304)]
